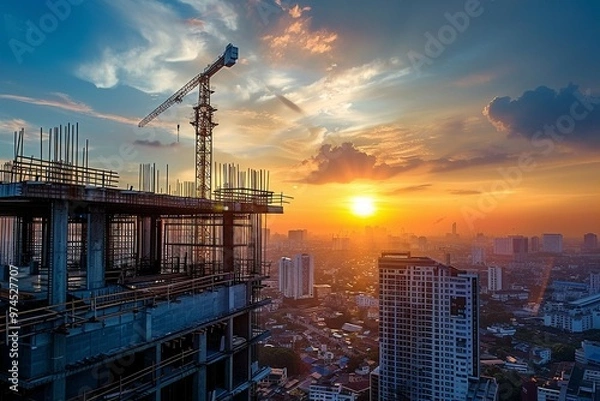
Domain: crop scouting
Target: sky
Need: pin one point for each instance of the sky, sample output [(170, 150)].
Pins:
[(483, 113)]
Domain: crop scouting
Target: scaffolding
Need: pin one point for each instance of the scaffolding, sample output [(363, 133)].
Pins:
[(168, 281)]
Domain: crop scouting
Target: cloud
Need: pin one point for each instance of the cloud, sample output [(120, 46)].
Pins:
[(12, 125), (464, 192), (288, 103), (157, 41), (345, 163), (412, 188), (296, 11), (535, 110), (444, 165), (298, 37), (64, 102), (154, 144)]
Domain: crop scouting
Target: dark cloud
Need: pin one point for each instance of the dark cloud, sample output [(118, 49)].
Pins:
[(574, 115), (412, 188), (439, 220), (464, 192), (289, 104), (154, 144), (345, 163)]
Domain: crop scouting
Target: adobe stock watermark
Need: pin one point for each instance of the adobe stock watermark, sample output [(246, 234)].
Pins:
[(12, 329), (37, 33), (544, 139), (446, 35)]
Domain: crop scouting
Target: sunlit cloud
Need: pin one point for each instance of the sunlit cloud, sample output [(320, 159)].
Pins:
[(13, 124), (345, 164), (64, 102), (161, 42), (464, 192), (297, 36), (296, 11)]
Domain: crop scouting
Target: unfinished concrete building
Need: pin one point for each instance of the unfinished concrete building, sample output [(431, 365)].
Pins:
[(128, 294)]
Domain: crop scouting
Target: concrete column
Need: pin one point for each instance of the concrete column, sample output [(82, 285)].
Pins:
[(228, 265), (199, 379), (229, 361), (25, 228), (157, 361), (58, 385), (96, 248), (59, 220), (57, 289)]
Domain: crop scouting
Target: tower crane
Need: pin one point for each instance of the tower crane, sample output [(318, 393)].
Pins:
[(202, 117)]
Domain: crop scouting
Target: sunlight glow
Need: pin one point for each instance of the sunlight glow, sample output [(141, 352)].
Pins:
[(362, 206)]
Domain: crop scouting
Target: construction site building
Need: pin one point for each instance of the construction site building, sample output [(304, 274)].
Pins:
[(129, 294)]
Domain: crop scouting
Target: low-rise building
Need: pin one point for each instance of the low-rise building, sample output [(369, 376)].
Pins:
[(575, 316), (329, 392)]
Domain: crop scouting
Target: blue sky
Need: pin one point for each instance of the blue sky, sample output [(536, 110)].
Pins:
[(420, 104)]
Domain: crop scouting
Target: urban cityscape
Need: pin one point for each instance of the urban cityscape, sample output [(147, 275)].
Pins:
[(299, 201)]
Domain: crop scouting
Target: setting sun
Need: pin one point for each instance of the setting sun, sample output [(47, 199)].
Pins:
[(362, 206)]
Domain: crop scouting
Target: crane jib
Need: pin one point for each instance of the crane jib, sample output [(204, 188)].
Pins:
[(227, 59)]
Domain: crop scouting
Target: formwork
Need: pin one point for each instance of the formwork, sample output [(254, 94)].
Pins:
[(129, 293)]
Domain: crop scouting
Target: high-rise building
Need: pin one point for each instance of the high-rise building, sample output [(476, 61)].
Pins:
[(594, 283), (286, 276), (296, 276), (513, 245), (297, 235), (428, 330), (502, 246), (494, 278), (552, 243), (374, 384), (478, 255), (590, 242), (535, 244)]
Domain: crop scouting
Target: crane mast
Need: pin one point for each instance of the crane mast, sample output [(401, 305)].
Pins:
[(202, 117)]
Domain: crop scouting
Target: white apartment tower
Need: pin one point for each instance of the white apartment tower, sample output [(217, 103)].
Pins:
[(296, 276), (494, 278), (428, 330)]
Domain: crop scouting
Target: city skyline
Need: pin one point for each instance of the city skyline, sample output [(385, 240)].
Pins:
[(481, 113)]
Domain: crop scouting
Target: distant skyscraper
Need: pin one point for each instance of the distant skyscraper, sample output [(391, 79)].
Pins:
[(297, 235), (590, 242), (296, 276), (594, 283), (454, 229), (502, 246), (535, 244), (478, 255), (494, 278), (428, 330), (552, 243), (286, 276)]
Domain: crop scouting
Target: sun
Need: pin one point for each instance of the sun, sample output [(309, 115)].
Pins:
[(363, 206)]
